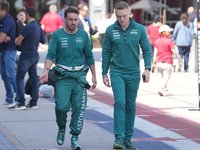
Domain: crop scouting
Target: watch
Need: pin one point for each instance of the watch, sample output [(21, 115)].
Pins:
[(148, 68)]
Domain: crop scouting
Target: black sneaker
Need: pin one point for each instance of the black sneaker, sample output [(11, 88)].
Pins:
[(29, 106), (18, 107)]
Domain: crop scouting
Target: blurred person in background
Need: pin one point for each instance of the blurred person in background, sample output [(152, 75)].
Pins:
[(84, 23), (51, 21), (8, 54), (192, 14), (102, 25), (164, 48), (29, 39), (153, 33), (182, 36)]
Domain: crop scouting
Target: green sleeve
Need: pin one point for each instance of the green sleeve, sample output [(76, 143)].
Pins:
[(52, 49), (88, 51), (146, 48), (106, 53)]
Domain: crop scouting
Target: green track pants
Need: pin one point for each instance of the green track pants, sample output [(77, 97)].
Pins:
[(70, 93), (125, 88)]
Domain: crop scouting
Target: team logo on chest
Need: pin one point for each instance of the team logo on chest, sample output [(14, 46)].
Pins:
[(79, 40), (134, 31), (115, 34), (64, 42)]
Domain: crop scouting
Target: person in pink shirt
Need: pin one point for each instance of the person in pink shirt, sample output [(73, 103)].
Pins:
[(153, 33), (51, 21), (164, 47)]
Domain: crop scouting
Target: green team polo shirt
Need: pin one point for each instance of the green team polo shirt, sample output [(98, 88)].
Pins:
[(121, 49), (70, 49)]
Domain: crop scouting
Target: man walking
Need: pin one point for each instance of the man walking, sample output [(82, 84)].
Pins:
[(8, 53), (29, 39), (70, 50), (121, 54)]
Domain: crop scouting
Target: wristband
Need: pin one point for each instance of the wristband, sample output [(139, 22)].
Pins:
[(105, 76), (148, 68)]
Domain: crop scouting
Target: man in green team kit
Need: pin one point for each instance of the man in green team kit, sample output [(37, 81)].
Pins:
[(121, 50), (70, 50)]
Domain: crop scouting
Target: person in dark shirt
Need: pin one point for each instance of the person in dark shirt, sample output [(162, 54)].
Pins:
[(29, 40), (8, 53), (191, 13)]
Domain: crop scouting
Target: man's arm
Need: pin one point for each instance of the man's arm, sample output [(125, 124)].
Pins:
[(94, 80), (47, 66), (2, 37), (147, 55), (18, 40), (42, 26)]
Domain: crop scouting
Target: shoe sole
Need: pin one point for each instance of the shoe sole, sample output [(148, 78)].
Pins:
[(117, 146), (76, 148), (17, 108), (33, 108), (132, 148)]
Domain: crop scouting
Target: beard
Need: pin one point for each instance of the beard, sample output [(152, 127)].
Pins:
[(71, 27)]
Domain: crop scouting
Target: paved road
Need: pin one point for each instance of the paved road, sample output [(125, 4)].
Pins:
[(162, 123)]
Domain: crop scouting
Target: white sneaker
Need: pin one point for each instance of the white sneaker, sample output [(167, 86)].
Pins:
[(12, 105), (180, 66), (5, 104), (27, 96), (167, 93)]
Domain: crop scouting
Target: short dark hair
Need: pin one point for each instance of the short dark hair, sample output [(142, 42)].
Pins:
[(23, 9), (71, 9), (122, 5), (157, 18), (31, 12), (5, 6)]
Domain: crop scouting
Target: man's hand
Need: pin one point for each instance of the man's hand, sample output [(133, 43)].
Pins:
[(146, 73), (95, 27), (44, 78), (181, 60), (106, 81), (7, 39), (94, 81)]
